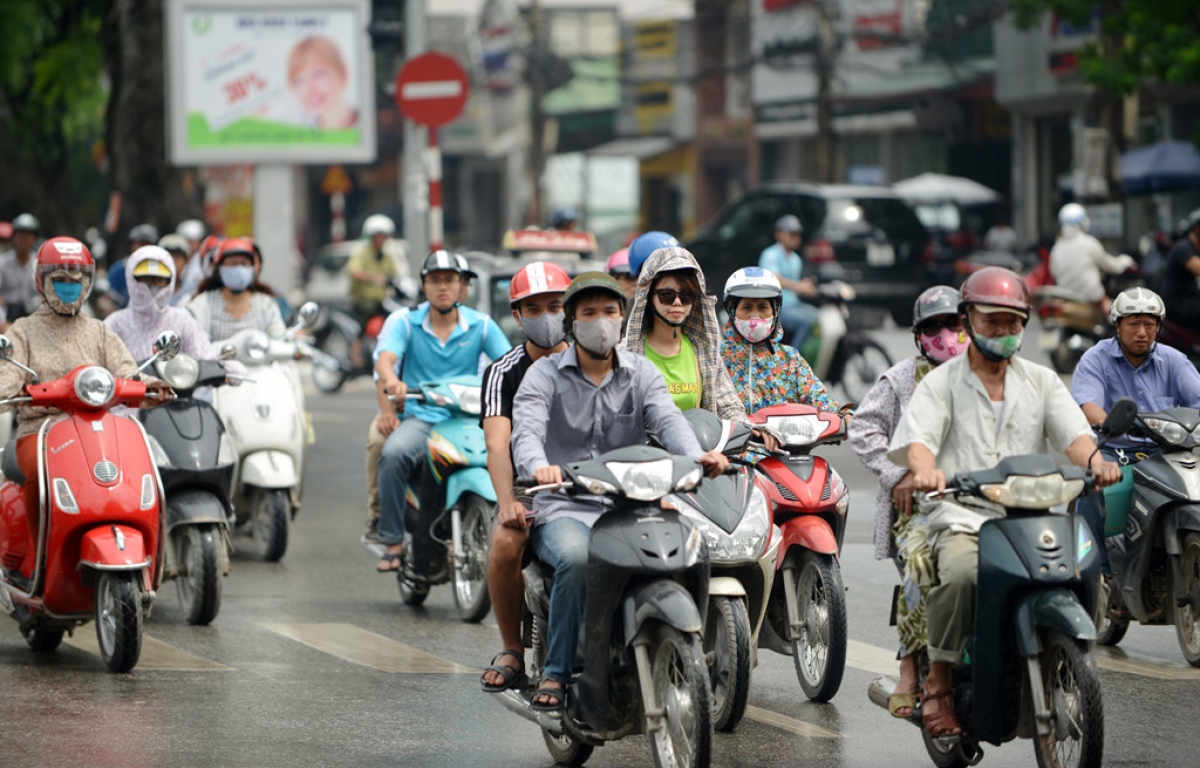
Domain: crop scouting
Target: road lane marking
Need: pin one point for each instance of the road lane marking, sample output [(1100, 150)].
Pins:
[(1118, 660), (790, 724), (156, 655), (871, 658), (358, 646)]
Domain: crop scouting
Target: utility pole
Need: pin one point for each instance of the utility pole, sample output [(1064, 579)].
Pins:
[(414, 190), (535, 72), (826, 61)]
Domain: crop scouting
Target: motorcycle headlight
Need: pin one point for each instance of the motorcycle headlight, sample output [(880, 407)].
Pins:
[(1026, 492), (95, 386), (256, 347), (598, 487), (161, 459), (748, 539), (1171, 431), (690, 480), (797, 430), (181, 373), (468, 398), (227, 453), (644, 480)]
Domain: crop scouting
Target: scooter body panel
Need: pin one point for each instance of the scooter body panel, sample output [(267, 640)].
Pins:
[(194, 506), (113, 548), (454, 444), (474, 480), (267, 468), (810, 532), (663, 601), (264, 415)]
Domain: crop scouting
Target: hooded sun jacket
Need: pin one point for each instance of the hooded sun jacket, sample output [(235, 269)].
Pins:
[(771, 373)]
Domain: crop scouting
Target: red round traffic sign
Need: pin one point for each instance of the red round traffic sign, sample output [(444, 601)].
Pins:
[(431, 89)]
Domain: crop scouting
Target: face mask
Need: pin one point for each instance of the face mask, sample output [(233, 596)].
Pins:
[(237, 279), (1000, 348), (545, 330), (67, 291), (755, 329), (597, 336), (945, 344)]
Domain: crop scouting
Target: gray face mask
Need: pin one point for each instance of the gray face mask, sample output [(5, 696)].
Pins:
[(598, 336), (545, 330)]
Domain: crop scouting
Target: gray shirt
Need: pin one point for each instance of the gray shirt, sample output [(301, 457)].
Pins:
[(17, 286), (559, 412)]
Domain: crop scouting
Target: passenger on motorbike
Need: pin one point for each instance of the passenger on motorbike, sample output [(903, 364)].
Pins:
[(939, 336), (536, 297), (1180, 277), (371, 269), (232, 299), (1078, 260), (618, 266), (1131, 365), (17, 293), (574, 406), (969, 414), (433, 342), (782, 258), (54, 340)]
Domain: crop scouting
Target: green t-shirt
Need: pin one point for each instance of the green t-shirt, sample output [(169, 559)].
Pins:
[(681, 374)]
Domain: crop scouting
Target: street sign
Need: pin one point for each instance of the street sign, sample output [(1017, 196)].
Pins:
[(432, 89), (336, 181)]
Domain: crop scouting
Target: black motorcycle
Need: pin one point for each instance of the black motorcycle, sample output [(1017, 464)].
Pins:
[(336, 330), (643, 668)]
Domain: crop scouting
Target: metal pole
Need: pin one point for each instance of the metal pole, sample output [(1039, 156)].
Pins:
[(413, 190), (434, 168)]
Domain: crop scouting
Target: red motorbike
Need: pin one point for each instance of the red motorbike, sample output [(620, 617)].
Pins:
[(99, 549), (806, 613)]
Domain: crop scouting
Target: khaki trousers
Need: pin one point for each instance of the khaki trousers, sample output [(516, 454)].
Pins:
[(950, 608), (375, 441)]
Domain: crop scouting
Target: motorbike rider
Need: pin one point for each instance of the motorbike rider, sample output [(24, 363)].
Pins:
[(17, 291), (56, 339), (536, 297), (232, 299), (177, 247), (939, 336), (192, 231), (1078, 259), (564, 220), (1180, 277), (117, 296), (618, 266), (598, 398), (645, 244), (782, 258), (1130, 365), (967, 414), (371, 269), (432, 342), (198, 268)]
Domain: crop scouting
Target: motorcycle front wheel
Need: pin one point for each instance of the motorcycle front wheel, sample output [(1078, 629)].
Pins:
[(863, 367), (679, 676), (269, 522), (1072, 685), (820, 650), (119, 619), (199, 579), (1187, 617), (727, 647), (470, 575)]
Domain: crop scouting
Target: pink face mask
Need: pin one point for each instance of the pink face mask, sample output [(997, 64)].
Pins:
[(755, 329), (944, 345)]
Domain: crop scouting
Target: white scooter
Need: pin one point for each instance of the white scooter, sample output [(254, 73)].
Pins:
[(270, 428)]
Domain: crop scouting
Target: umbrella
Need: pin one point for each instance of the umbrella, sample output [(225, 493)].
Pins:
[(1160, 167), (936, 187)]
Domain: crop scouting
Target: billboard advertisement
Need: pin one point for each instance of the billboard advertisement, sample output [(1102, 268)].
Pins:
[(287, 81)]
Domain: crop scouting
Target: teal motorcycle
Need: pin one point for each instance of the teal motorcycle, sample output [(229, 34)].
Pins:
[(450, 503)]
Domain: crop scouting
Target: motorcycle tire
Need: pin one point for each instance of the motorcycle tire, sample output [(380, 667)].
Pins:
[(199, 579), (44, 640), (567, 750), (337, 347), (820, 651), (1063, 358), (727, 647), (679, 676), (470, 577), (864, 364), (1072, 688), (269, 521), (119, 619), (1187, 617), (945, 753)]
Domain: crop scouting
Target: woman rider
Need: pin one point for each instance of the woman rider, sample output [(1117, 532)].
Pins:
[(232, 299)]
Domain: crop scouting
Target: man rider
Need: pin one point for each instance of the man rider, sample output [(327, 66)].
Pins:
[(536, 297), (433, 342), (1180, 277), (969, 414), (598, 398), (1077, 259), (17, 291), (782, 259), (371, 268)]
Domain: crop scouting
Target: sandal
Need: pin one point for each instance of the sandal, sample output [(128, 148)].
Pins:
[(898, 700), (943, 722), (390, 562), (514, 676), (558, 694)]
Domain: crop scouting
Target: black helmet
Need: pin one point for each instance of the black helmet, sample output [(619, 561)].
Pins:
[(934, 302), (586, 281), (144, 233), (444, 261), (1192, 221)]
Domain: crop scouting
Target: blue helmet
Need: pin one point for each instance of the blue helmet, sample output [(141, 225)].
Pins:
[(646, 244), (563, 216)]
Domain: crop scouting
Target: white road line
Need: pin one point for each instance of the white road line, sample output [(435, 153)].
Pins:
[(790, 724), (871, 658), (156, 655), (1117, 660), (359, 646)]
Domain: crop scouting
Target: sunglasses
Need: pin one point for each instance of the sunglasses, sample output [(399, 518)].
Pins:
[(669, 295), (936, 324)]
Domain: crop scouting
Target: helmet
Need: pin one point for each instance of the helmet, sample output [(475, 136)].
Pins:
[(444, 261), (538, 277), (752, 283), (789, 223), (190, 229), (6, 230), (144, 233), (1192, 221), (210, 243), (1137, 301), (464, 266), (935, 302), (378, 224), (618, 263), (26, 222), (65, 256), (242, 246), (646, 244), (1073, 215), (173, 242), (151, 268), (563, 216), (583, 282), (995, 289)]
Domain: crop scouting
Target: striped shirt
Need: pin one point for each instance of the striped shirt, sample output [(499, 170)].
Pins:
[(501, 381)]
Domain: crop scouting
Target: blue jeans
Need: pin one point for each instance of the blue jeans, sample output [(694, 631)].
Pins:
[(798, 322), (563, 545), (402, 451), (1090, 505)]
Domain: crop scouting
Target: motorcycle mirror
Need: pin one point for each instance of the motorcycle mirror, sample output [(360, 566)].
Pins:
[(227, 352), (166, 346), (6, 348), (307, 314), (1120, 418)]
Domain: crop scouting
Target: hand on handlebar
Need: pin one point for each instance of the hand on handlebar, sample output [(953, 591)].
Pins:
[(551, 474), (397, 389), (929, 480), (770, 442), (157, 393), (714, 462), (1107, 472)]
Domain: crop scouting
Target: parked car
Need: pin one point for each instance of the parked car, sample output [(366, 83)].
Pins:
[(864, 235)]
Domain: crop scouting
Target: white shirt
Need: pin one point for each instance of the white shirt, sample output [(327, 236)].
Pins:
[(1076, 261)]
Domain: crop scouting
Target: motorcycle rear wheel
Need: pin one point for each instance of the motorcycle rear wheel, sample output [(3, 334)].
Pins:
[(199, 579), (1073, 688), (119, 619), (820, 651), (863, 367), (727, 646), (567, 750), (269, 520), (944, 753), (470, 578), (44, 640), (679, 676), (1187, 617)]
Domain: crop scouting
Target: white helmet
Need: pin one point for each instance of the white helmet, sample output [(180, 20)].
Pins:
[(753, 283), (1137, 301), (378, 224), (1073, 215), (191, 229)]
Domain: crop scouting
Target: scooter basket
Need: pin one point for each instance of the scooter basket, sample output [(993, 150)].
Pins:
[(1117, 500)]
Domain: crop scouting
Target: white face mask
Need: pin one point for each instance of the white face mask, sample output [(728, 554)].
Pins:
[(754, 329), (598, 336)]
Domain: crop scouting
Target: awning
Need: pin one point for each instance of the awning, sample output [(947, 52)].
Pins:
[(1161, 167), (641, 147)]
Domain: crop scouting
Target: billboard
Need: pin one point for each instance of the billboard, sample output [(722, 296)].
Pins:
[(286, 81)]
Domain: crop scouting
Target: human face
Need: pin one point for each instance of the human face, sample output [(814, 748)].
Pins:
[(23, 241), (154, 281), (993, 325), (750, 308), (443, 288), (599, 307), (320, 89), (1137, 334), (628, 284), (237, 260), (378, 240), (682, 302), (789, 240), (540, 304)]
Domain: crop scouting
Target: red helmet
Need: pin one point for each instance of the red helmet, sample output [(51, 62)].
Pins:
[(242, 246), (64, 254), (210, 243), (995, 289), (535, 278)]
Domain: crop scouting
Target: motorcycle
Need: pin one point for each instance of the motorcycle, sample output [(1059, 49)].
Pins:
[(196, 459), (1030, 672), (732, 514), (335, 333), (266, 419), (837, 354), (452, 541), (644, 668), (1156, 564), (99, 549), (806, 611), (1071, 325)]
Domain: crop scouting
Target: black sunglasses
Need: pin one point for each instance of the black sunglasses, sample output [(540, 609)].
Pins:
[(669, 295), (935, 324)]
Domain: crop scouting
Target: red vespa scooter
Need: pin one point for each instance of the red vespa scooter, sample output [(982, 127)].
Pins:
[(99, 552), (806, 614)]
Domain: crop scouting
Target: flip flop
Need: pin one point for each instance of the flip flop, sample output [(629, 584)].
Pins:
[(394, 562), (559, 695), (514, 676), (898, 700)]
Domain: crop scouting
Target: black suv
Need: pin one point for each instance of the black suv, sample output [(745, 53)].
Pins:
[(867, 236)]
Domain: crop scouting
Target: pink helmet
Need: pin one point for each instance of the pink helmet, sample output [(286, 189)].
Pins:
[(618, 263)]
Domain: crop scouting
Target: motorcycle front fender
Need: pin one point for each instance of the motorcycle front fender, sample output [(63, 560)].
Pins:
[(809, 532), (1183, 518), (192, 507), (113, 548), (269, 469), (1057, 609), (664, 601), (726, 586), (474, 480)]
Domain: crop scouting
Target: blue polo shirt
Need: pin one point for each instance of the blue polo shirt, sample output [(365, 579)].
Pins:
[(1166, 380), (425, 357), (786, 264)]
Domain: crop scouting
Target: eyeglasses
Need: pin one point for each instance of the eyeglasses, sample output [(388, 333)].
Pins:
[(669, 295), (442, 279), (935, 324)]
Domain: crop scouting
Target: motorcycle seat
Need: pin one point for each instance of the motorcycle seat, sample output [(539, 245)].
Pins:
[(8, 463)]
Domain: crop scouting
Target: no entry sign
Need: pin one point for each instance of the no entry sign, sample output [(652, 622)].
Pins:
[(431, 89)]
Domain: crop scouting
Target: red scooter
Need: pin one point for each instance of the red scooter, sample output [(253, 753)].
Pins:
[(99, 552), (806, 614)]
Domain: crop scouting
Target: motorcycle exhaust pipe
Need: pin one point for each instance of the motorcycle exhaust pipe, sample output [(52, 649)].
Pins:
[(881, 689), (515, 702)]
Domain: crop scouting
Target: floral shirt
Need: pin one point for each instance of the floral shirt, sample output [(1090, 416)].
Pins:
[(771, 373)]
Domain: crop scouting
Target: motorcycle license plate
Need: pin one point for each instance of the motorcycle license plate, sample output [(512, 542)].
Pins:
[(1049, 339), (880, 254)]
